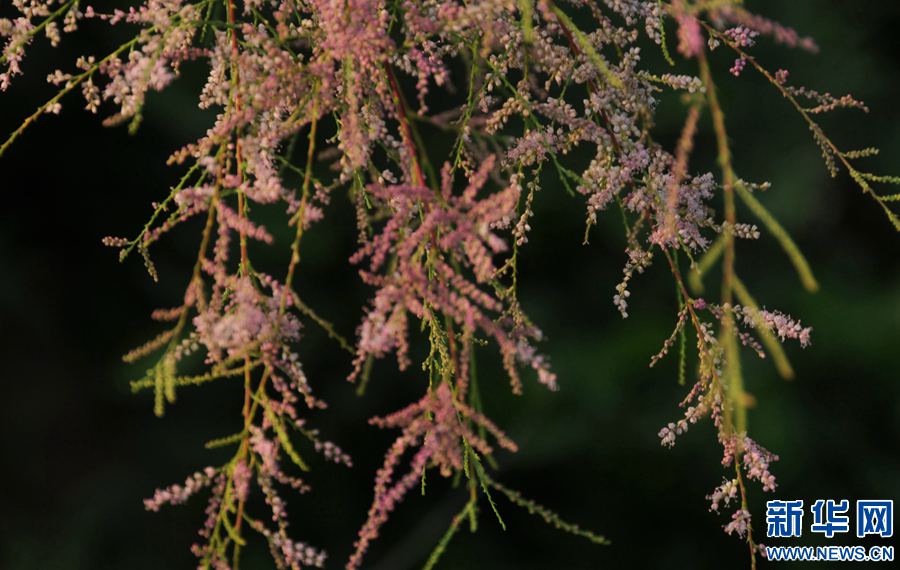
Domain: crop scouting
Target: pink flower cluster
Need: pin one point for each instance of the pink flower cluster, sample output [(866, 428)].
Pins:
[(782, 325), (438, 426), (177, 494), (429, 237)]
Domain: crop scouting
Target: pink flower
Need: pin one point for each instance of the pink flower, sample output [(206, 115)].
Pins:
[(178, 494), (740, 522), (690, 36), (438, 424), (432, 235)]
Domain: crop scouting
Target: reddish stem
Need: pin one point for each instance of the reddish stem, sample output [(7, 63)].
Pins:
[(405, 133)]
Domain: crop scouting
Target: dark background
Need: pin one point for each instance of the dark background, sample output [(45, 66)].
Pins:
[(79, 451)]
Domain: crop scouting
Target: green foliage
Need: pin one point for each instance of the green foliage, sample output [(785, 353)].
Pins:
[(779, 233)]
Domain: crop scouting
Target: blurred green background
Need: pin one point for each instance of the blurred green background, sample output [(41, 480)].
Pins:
[(79, 451)]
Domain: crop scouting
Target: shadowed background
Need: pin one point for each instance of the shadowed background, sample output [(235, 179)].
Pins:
[(79, 451)]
